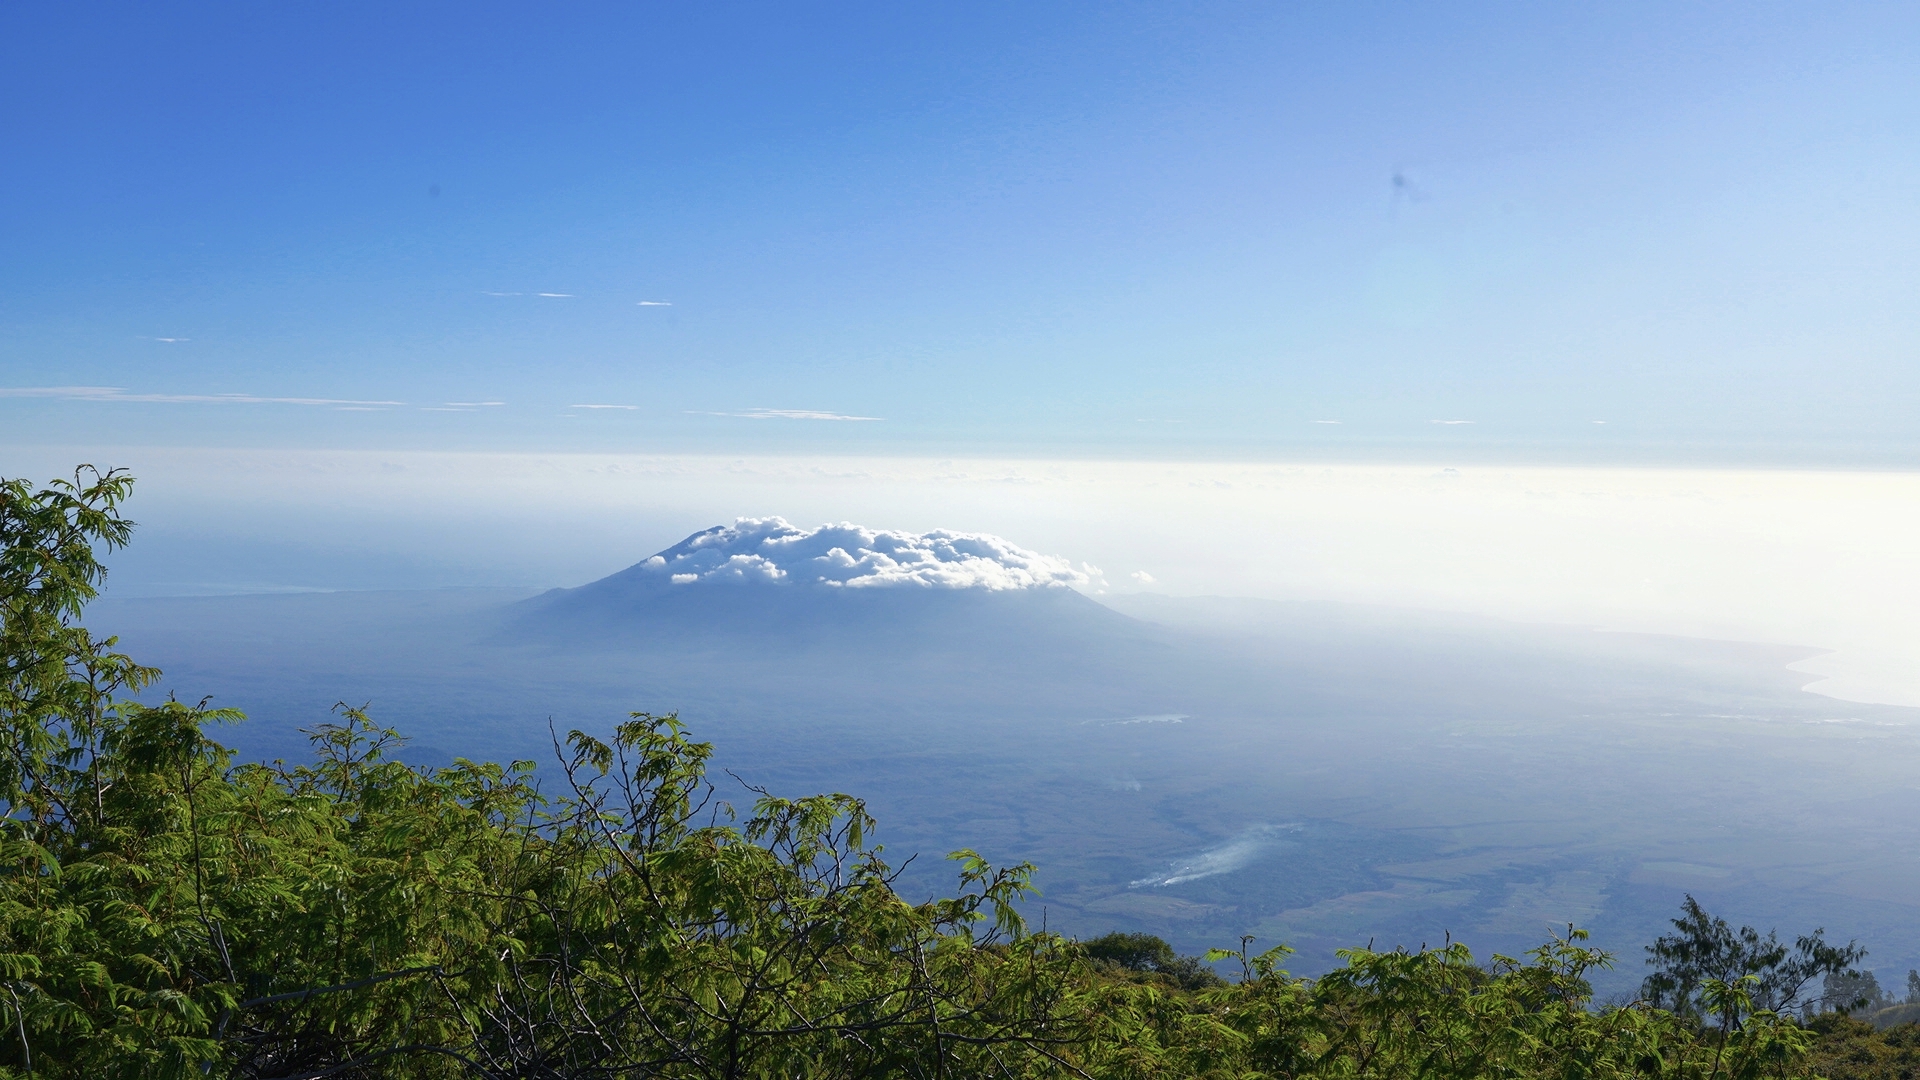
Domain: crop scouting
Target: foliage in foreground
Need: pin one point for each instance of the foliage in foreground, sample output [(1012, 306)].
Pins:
[(1704, 951), (1851, 1049), (168, 912)]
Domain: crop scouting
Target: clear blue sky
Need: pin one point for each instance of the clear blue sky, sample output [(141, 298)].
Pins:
[(1092, 229)]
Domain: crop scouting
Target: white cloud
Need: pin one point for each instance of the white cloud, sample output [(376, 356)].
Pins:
[(1449, 421), (603, 406), (1326, 421), (850, 556), (783, 414), (1142, 577), (655, 303), (473, 404), (1148, 718), (115, 393), (173, 340), (503, 294), (556, 295)]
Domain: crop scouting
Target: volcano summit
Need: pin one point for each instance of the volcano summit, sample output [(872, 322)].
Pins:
[(770, 551), (764, 582)]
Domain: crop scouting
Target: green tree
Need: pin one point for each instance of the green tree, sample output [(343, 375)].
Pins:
[(1149, 955), (94, 945), (1853, 992), (1705, 948)]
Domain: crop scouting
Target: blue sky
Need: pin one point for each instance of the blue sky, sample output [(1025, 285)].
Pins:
[(1095, 230)]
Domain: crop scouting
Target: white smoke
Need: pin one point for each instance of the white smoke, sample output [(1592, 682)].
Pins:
[(1219, 859), (769, 550)]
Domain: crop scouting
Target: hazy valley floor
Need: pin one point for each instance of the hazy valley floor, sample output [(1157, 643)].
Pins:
[(1315, 774)]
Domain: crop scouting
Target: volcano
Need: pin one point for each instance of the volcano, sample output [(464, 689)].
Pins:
[(763, 586)]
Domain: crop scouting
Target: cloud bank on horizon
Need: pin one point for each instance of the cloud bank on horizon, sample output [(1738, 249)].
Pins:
[(770, 551)]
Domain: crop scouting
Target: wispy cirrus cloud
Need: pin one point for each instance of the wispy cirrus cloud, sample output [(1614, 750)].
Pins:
[(654, 303), (1449, 422), (783, 414), (603, 406), (173, 340), (117, 393), (555, 295), (473, 404)]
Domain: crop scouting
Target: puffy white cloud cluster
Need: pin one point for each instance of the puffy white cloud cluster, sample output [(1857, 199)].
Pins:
[(769, 550)]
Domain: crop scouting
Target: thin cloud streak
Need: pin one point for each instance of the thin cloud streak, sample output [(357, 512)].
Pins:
[(603, 406), (654, 303), (116, 393), (783, 414)]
